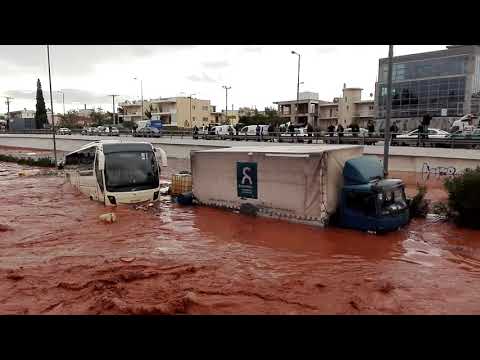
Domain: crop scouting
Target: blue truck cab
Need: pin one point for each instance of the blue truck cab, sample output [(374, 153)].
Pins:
[(370, 202)]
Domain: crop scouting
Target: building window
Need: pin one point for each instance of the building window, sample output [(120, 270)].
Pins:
[(205, 119), (415, 98), (347, 107), (193, 118), (193, 107), (205, 108)]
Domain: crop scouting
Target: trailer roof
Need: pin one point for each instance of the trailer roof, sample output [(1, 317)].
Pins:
[(286, 149)]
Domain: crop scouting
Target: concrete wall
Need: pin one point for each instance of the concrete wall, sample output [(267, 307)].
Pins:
[(401, 158)]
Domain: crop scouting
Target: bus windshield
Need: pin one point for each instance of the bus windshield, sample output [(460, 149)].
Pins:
[(131, 171)]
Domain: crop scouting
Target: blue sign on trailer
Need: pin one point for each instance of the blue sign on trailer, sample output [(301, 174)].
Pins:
[(247, 180)]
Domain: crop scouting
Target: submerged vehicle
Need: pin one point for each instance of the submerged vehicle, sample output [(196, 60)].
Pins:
[(369, 201), (312, 184), (116, 172)]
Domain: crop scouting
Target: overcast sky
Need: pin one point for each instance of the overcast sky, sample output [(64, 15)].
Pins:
[(258, 75)]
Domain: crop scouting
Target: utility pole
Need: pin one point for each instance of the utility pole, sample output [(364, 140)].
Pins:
[(51, 104), (226, 100), (298, 79), (113, 108), (388, 111), (191, 109), (141, 92), (8, 111)]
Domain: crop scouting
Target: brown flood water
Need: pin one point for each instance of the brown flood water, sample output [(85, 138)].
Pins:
[(56, 257)]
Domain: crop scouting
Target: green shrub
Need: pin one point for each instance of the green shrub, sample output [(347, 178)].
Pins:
[(43, 161), (464, 197)]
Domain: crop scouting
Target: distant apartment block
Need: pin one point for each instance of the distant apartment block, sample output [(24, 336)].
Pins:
[(176, 111), (444, 83), (345, 110), (22, 119)]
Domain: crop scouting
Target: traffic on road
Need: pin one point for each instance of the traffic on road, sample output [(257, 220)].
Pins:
[(460, 135)]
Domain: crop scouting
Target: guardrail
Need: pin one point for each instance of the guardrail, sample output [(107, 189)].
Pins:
[(313, 137)]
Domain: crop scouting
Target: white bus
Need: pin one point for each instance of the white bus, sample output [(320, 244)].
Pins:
[(116, 172)]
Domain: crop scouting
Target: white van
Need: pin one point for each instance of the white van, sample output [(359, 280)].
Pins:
[(463, 125), (252, 130), (224, 130)]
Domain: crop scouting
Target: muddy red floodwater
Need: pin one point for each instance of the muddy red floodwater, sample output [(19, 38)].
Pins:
[(56, 257)]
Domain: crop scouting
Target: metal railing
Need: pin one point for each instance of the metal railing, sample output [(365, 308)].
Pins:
[(320, 137)]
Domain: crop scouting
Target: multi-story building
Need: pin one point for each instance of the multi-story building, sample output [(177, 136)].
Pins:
[(22, 119), (184, 112), (345, 110), (301, 112), (131, 110), (232, 117), (444, 84)]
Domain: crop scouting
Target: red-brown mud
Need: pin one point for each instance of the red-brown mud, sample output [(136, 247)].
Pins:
[(57, 257)]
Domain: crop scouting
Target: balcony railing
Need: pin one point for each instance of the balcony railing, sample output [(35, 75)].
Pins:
[(363, 114)]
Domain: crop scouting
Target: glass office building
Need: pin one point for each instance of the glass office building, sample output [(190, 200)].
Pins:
[(441, 83)]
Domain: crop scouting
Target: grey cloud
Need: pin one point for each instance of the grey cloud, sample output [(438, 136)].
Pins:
[(76, 59), (216, 64), (203, 78), (71, 96), (253, 49), (326, 49)]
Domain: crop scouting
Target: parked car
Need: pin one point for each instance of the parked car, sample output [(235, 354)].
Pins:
[(64, 131), (473, 135), (432, 134), (298, 135), (89, 131), (147, 131), (114, 131), (362, 132)]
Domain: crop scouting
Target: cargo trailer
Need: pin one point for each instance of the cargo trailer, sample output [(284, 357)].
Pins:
[(299, 183)]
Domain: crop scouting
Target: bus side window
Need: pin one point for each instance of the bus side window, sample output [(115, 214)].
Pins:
[(71, 161), (87, 158), (98, 174)]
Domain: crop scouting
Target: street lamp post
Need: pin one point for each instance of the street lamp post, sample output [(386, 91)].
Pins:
[(388, 111), (51, 106), (113, 107), (191, 108), (298, 77), (226, 100), (141, 92), (8, 111), (63, 101)]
